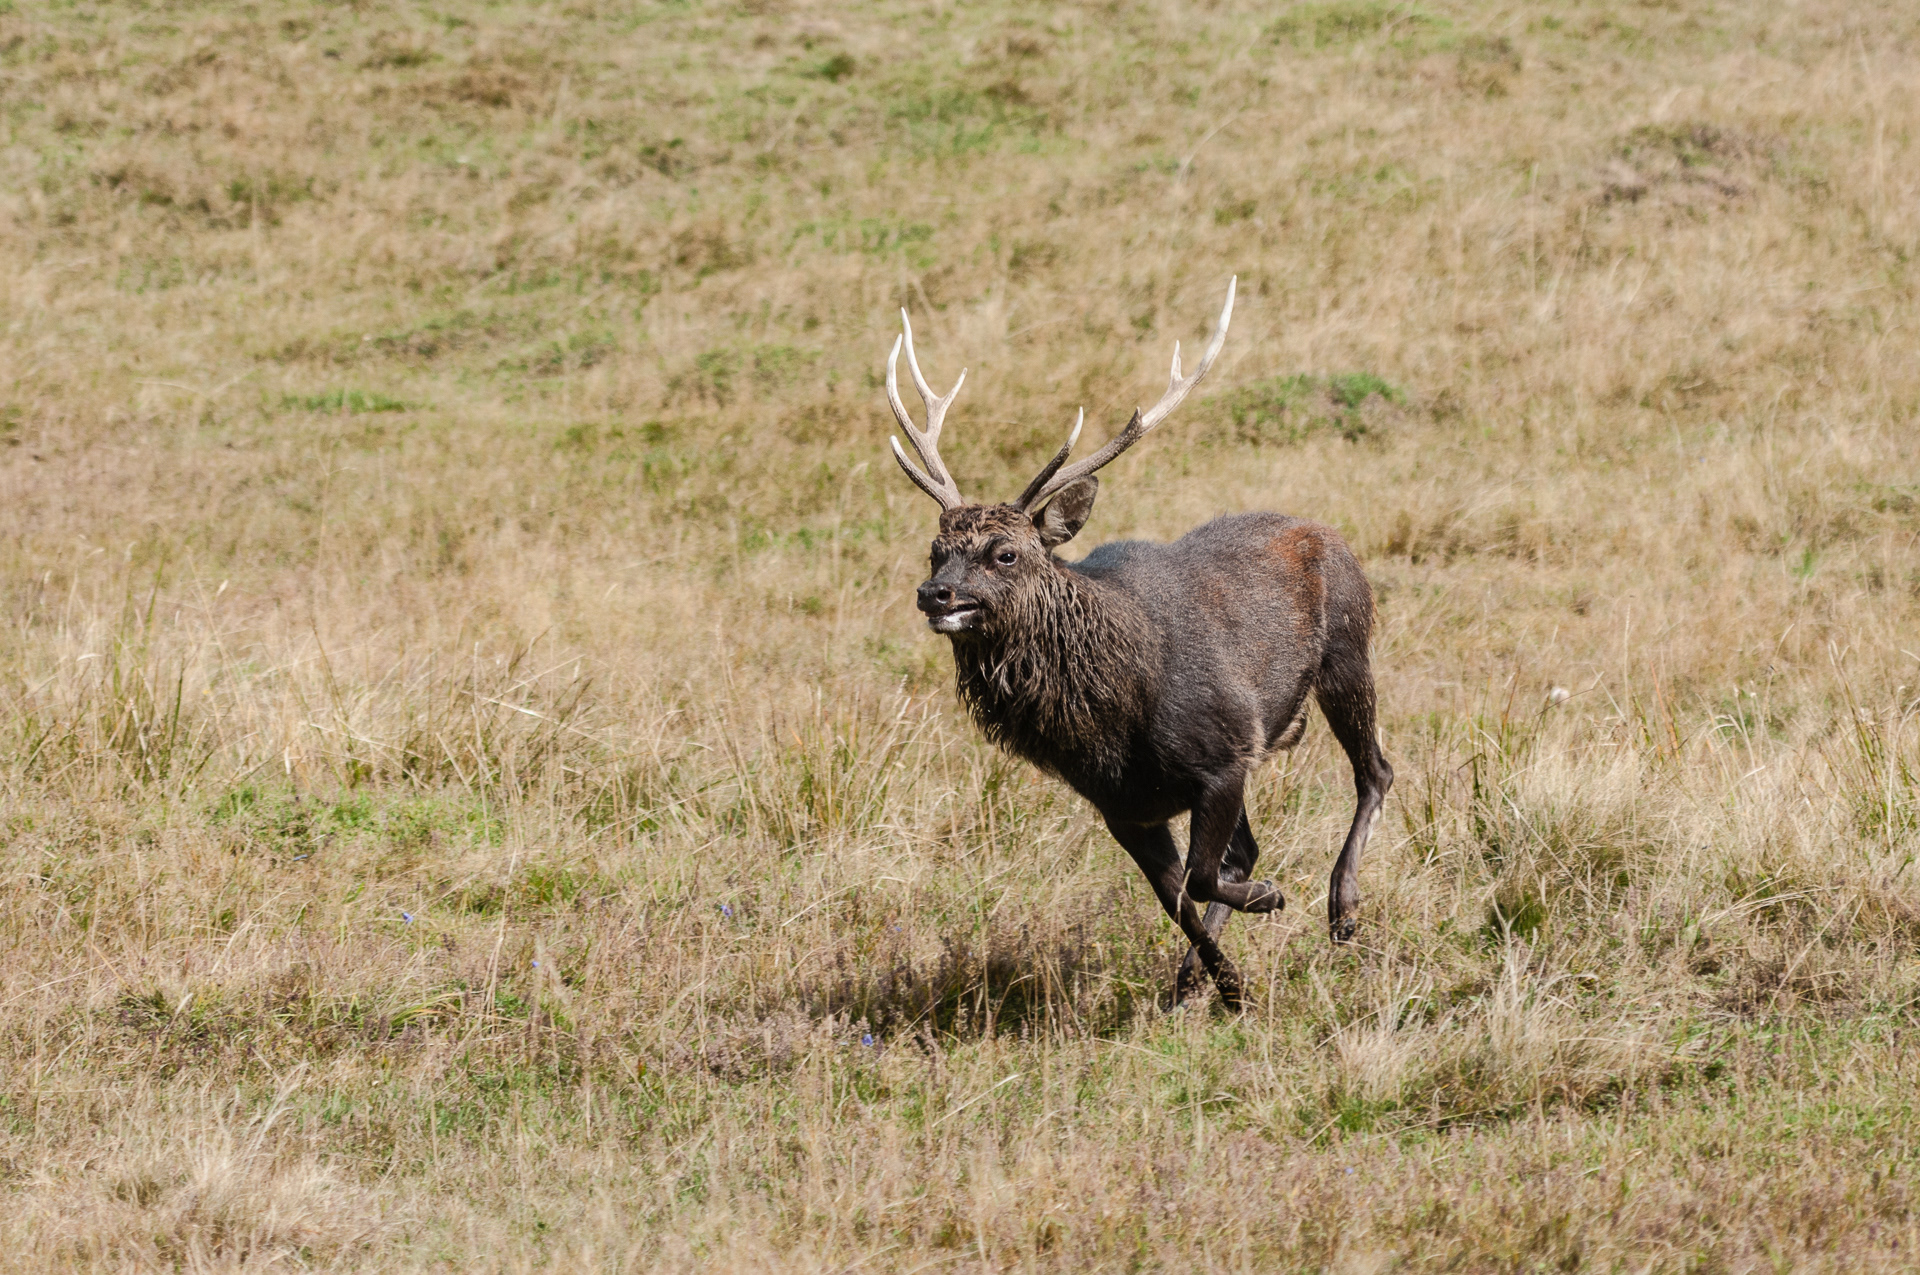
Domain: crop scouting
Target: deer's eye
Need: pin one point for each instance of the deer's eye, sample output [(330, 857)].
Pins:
[(1006, 557)]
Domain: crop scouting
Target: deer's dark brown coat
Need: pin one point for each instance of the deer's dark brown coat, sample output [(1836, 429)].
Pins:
[(1152, 678)]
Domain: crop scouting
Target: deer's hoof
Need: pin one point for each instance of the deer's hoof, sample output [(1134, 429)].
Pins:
[(1190, 979), (1264, 896), (1342, 929)]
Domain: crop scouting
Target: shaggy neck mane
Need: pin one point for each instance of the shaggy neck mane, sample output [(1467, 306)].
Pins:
[(1063, 678)]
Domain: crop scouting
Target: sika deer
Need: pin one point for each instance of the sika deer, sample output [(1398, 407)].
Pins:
[(1153, 677)]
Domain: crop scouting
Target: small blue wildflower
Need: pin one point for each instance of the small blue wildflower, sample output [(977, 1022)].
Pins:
[(726, 910), (536, 965), (407, 917), (867, 1039)]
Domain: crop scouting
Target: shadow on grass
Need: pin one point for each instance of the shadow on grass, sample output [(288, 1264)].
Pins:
[(1038, 977)]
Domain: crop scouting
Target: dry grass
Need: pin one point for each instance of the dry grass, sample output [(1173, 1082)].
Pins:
[(474, 792)]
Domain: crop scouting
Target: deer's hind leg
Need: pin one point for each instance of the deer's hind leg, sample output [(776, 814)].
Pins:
[(1346, 697), (1242, 853), (1152, 847)]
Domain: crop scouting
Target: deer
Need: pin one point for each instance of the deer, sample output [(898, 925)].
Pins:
[(1153, 678)]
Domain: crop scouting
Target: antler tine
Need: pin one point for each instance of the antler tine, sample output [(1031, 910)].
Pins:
[(1032, 493), (920, 480), (936, 481), (1053, 478), (920, 381)]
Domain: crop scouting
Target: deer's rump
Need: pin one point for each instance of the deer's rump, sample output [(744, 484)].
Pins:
[(1244, 607)]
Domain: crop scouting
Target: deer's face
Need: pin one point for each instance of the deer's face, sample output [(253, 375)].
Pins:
[(987, 556), (980, 557)]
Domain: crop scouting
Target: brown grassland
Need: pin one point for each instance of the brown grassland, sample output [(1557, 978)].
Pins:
[(475, 793)]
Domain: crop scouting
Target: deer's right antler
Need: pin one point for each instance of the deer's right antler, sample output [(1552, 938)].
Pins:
[(936, 481), (1053, 477)]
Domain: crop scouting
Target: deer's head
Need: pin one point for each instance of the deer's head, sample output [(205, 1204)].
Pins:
[(988, 559)]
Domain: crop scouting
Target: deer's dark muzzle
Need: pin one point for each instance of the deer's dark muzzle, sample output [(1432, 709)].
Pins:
[(947, 609)]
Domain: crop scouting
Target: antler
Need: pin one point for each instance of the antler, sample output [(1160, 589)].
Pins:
[(1052, 478), (936, 482)]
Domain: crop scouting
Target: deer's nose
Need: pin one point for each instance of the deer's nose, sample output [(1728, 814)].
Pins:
[(935, 596)]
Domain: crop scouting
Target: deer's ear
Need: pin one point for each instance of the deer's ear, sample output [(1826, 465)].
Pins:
[(1067, 512)]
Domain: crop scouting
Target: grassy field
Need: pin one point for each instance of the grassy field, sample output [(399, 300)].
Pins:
[(475, 793)]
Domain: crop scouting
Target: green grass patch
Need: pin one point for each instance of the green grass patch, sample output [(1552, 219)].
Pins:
[(1289, 409), (1338, 22), (345, 402)]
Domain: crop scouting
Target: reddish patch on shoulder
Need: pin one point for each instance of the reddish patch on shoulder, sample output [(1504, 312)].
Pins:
[(1300, 554), (1299, 549)]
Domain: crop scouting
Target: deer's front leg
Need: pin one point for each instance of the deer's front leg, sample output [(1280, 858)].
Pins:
[(1216, 819), (1242, 853), (1152, 847)]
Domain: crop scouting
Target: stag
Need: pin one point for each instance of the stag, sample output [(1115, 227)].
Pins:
[(1153, 678)]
